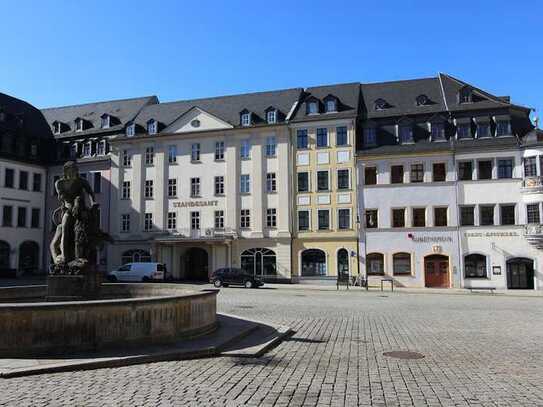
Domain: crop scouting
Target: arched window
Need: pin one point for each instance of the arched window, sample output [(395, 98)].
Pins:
[(475, 266), (259, 262), (313, 263), (342, 262), (401, 263), (375, 264), (136, 256), (4, 255)]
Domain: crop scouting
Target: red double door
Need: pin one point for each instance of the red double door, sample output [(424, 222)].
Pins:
[(436, 271)]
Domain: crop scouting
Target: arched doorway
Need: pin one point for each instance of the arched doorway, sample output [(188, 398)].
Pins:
[(313, 263), (4, 255), (436, 271), (29, 257), (342, 263), (135, 256), (196, 264), (259, 262), (520, 274)]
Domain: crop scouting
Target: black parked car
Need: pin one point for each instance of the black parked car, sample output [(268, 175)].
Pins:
[(226, 276)]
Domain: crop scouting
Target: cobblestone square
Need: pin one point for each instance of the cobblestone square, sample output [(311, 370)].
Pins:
[(480, 350)]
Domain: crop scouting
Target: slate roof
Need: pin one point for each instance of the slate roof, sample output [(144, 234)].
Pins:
[(124, 110), (34, 124), (348, 95), (226, 108)]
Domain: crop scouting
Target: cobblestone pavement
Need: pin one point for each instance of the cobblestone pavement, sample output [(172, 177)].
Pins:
[(480, 350)]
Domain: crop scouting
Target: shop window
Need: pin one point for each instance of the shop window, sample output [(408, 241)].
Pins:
[(401, 263), (475, 266), (375, 264)]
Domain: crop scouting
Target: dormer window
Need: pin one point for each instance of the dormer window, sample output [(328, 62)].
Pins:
[(106, 121), (78, 124), (503, 128), (152, 126), (465, 95), (130, 129), (57, 127), (422, 100), (406, 134), (312, 107), (271, 116), (381, 104), (437, 130), (246, 119), (370, 136), (463, 131), (330, 104)]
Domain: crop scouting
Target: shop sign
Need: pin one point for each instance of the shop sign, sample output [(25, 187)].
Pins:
[(192, 204), (430, 239), (491, 234)]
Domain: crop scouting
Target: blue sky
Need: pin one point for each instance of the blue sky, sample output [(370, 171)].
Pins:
[(68, 52)]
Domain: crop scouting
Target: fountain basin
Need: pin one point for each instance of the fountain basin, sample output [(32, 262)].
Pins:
[(125, 315)]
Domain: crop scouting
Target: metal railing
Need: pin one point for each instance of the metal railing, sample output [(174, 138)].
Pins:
[(533, 230)]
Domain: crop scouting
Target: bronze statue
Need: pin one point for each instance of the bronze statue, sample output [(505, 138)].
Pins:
[(77, 234)]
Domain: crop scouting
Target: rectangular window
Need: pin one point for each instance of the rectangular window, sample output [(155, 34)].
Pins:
[(406, 134), (126, 158), (467, 217), (36, 182), (219, 150), (9, 178), (172, 154), (530, 167), (125, 192), (245, 184), (148, 224), (245, 218), (322, 137), (271, 146), (485, 169), (419, 217), (324, 219), (35, 218), (172, 221), (438, 131), (505, 168), (465, 171), (370, 136), (246, 119), (125, 222), (483, 130), (370, 175), (503, 128), (195, 220), (303, 220), (271, 183), (172, 188), (149, 188), (344, 218), (341, 136), (219, 185), (219, 219), (194, 187), (396, 174), (343, 179), (21, 217), (372, 220), (303, 182), (271, 116), (271, 217), (23, 180), (486, 215), (398, 218), (101, 147), (532, 213), (463, 131), (440, 216), (507, 214), (7, 215), (149, 155), (87, 149), (301, 139), (97, 182), (439, 173), (245, 150), (195, 152), (322, 181), (417, 173)]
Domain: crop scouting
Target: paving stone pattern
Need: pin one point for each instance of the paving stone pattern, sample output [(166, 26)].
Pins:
[(480, 350)]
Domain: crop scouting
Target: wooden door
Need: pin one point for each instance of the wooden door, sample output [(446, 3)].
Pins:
[(436, 271)]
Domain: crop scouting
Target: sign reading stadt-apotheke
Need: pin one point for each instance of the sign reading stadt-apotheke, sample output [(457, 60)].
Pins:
[(192, 204), (491, 234)]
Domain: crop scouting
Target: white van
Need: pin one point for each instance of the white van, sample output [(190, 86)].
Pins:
[(140, 272)]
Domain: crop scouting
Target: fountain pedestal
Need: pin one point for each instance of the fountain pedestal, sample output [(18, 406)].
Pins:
[(62, 287)]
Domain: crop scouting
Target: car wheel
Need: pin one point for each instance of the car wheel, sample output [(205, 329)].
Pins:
[(217, 283), (145, 279), (248, 284)]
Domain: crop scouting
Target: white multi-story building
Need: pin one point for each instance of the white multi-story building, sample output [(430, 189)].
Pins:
[(205, 184)]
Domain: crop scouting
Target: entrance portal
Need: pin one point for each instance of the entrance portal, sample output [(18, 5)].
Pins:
[(29, 254), (196, 264), (436, 271), (520, 274)]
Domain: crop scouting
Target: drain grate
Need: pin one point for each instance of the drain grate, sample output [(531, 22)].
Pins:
[(403, 354)]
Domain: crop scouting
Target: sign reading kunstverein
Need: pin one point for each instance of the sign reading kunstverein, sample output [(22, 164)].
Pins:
[(192, 204)]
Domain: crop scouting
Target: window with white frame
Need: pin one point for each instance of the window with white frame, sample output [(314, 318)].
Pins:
[(312, 108), (172, 188), (101, 147), (126, 158), (87, 149), (303, 182), (341, 136), (219, 219), (343, 179), (271, 146), (246, 119), (172, 154), (219, 185), (79, 125), (302, 141), (149, 155), (303, 220), (125, 222), (323, 181), (331, 105), (505, 168), (219, 150), (130, 129), (271, 183), (125, 191), (344, 218), (148, 222), (194, 187), (503, 128), (322, 137), (245, 218), (149, 188), (271, 217), (271, 116), (245, 184), (530, 167), (152, 126), (195, 152), (417, 173), (105, 121), (245, 150), (172, 221), (323, 216), (195, 220)]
